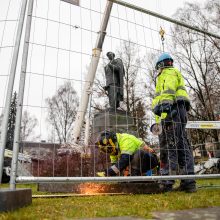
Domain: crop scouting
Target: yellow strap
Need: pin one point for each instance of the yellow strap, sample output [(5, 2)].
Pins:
[(162, 32)]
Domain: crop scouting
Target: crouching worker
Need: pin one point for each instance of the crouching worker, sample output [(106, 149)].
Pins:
[(126, 150)]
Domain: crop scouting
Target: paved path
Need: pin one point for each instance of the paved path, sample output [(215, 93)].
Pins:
[(191, 214)]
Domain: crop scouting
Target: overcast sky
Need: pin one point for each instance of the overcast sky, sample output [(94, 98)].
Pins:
[(60, 52)]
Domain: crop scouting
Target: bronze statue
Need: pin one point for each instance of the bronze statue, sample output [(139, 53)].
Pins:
[(114, 73)]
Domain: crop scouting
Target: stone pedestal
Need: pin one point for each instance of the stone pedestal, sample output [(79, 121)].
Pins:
[(14, 199), (117, 121)]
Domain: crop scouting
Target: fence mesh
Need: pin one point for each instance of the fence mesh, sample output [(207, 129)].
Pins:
[(60, 49)]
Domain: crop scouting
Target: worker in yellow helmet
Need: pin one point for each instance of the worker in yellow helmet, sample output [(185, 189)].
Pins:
[(126, 150), (170, 106)]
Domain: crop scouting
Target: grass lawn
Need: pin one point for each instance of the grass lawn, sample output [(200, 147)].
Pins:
[(118, 205)]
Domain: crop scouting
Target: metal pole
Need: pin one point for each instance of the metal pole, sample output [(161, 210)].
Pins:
[(86, 141), (4, 127), (30, 179), (21, 96), (119, 2), (91, 73), (87, 128)]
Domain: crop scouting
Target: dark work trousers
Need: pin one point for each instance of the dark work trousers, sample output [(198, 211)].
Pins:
[(114, 95), (175, 151), (142, 162)]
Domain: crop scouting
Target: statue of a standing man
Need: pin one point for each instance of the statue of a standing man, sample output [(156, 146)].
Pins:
[(114, 73)]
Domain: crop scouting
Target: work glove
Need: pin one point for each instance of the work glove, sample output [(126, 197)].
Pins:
[(100, 174), (157, 110), (185, 103), (166, 107)]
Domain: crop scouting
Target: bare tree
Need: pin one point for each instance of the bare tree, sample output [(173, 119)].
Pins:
[(128, 52), (28, 124), (199, 58), (62, 109), (151, 75), (141, 120), (99, 95)]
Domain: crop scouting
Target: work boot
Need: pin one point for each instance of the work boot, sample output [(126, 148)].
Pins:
[(166, 187), (189, 188)]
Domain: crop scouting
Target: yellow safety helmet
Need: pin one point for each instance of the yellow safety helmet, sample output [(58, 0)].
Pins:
[(107, 142)]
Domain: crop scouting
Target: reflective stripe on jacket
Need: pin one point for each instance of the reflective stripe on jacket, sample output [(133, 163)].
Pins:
[(127, 144)]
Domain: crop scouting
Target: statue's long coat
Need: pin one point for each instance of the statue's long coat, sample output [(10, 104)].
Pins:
[(115, 75)]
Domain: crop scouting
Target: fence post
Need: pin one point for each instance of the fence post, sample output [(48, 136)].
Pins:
[(21, 96), (4, 127)]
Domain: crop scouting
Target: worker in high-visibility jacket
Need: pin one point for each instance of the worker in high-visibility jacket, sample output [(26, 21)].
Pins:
[(126, 150), (170, 106)]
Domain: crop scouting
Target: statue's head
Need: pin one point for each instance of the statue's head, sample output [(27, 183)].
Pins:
[(110, 55)]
